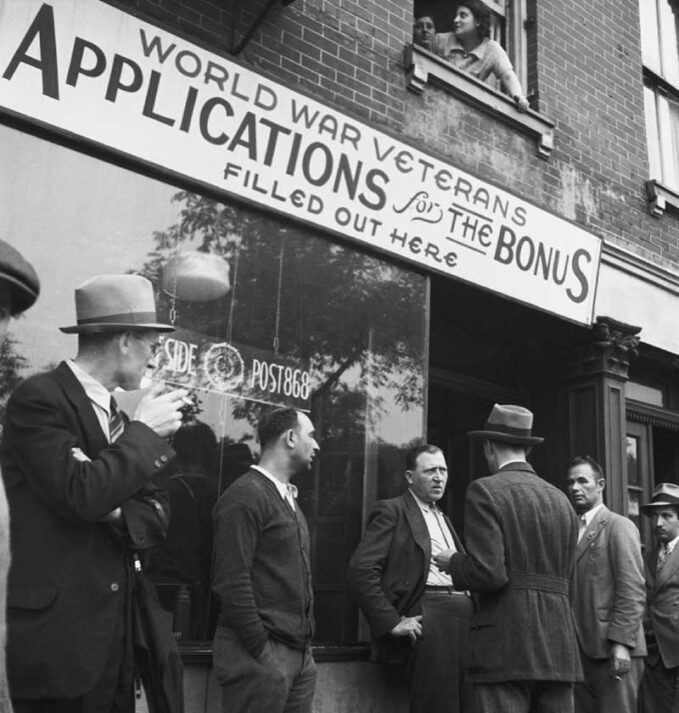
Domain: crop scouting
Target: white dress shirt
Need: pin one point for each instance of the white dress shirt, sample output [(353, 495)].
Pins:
[(441, 539), (288, 491)]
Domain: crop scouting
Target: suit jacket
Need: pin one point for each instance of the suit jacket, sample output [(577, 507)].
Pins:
[(70, 570), (608, 592), (663, 608), (521, 534), (388, 572)]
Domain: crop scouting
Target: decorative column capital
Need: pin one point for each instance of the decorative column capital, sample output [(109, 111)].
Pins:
[(612, 346)]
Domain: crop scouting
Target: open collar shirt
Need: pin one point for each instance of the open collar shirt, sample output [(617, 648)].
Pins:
[(287, 491), (441, 539)]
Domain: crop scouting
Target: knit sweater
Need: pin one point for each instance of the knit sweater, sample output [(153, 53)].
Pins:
[(262, 565)]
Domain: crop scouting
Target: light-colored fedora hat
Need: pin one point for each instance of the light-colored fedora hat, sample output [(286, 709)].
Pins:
[(664, 494), (509, 424), (115, 303)]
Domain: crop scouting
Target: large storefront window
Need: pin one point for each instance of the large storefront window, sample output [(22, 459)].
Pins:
[(266, 312)]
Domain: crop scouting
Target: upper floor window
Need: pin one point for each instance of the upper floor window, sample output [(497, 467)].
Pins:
[(660, 58), (507, 27)]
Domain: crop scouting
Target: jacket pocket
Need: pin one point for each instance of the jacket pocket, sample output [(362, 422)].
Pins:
[(31, 597)]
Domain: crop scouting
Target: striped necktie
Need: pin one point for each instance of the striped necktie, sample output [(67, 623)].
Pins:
[(662, 556), (116, 425)]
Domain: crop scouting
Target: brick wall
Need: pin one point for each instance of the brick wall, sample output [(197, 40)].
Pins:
[(587, 71)]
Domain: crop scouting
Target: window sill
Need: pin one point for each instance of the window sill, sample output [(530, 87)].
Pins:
[(423, 67), (660, 197)]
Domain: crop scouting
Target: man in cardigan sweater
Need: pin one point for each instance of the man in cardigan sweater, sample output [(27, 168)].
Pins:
[(262, 653)]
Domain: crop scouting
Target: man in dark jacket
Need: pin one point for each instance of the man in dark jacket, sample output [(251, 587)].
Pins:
[(262, 647), (19, 289), (659, 692), (415, 614), (78, 479), (521, 534)]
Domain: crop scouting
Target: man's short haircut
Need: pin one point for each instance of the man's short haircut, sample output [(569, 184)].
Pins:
[(588, 460), (274, 422), (413, 453)]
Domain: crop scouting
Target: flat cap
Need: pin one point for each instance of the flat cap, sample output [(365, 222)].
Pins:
[(21, 277)]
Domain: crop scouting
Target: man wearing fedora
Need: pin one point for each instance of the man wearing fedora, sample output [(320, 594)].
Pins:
[(659, 692), (78, 477), (521, 534), (609, 596), (19, 289)]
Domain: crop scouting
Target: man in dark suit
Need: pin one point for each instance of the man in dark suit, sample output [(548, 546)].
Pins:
[(659, 691), (416, 615), (262, 648), (78, 480), (521, 534), (609, 596), (19, 289)]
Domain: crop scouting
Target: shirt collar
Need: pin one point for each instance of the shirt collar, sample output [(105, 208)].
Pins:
[(282, 488), (426, 507), (671, 544), (477, 52), (589, 515), (94, 389)]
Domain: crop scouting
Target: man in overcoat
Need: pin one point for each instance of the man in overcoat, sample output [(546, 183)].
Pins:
[(78, 477), (520, 534), (609, 596), (416, 615), (659, 691)]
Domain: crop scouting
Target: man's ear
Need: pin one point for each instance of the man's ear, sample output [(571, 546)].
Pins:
[(290, 438), (409, 476)]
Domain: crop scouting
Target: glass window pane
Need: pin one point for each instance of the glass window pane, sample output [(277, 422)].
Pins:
[(632, 444), (667, 118), (273, 313), (650, 46), (669, 48), (652, 135)]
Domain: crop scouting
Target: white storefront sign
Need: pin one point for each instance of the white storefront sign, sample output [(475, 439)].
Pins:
[(98, 73)]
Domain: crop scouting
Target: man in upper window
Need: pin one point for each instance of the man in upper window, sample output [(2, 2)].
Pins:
[(262, 647), (470, 48), (78, 477), (608, 597), (415, 614), (19, 289), (521, 534), (660, 683)]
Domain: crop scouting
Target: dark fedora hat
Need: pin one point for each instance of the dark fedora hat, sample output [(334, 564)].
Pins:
[(664, 494), (509, 424), (19, 274), (115, 303)]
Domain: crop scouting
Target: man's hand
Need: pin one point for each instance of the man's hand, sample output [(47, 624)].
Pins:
[(409, 626), (442, 559), (619, 660), (160, 411)]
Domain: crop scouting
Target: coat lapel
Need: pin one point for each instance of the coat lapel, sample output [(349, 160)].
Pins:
[(668, 569), (592, 532), (95, 438), (417, 525)]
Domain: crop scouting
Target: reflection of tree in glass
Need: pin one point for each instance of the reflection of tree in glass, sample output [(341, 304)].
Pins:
[(341, 310), (11, 365)]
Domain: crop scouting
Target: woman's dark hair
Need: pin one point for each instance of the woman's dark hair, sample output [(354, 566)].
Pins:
[(481, 14)]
